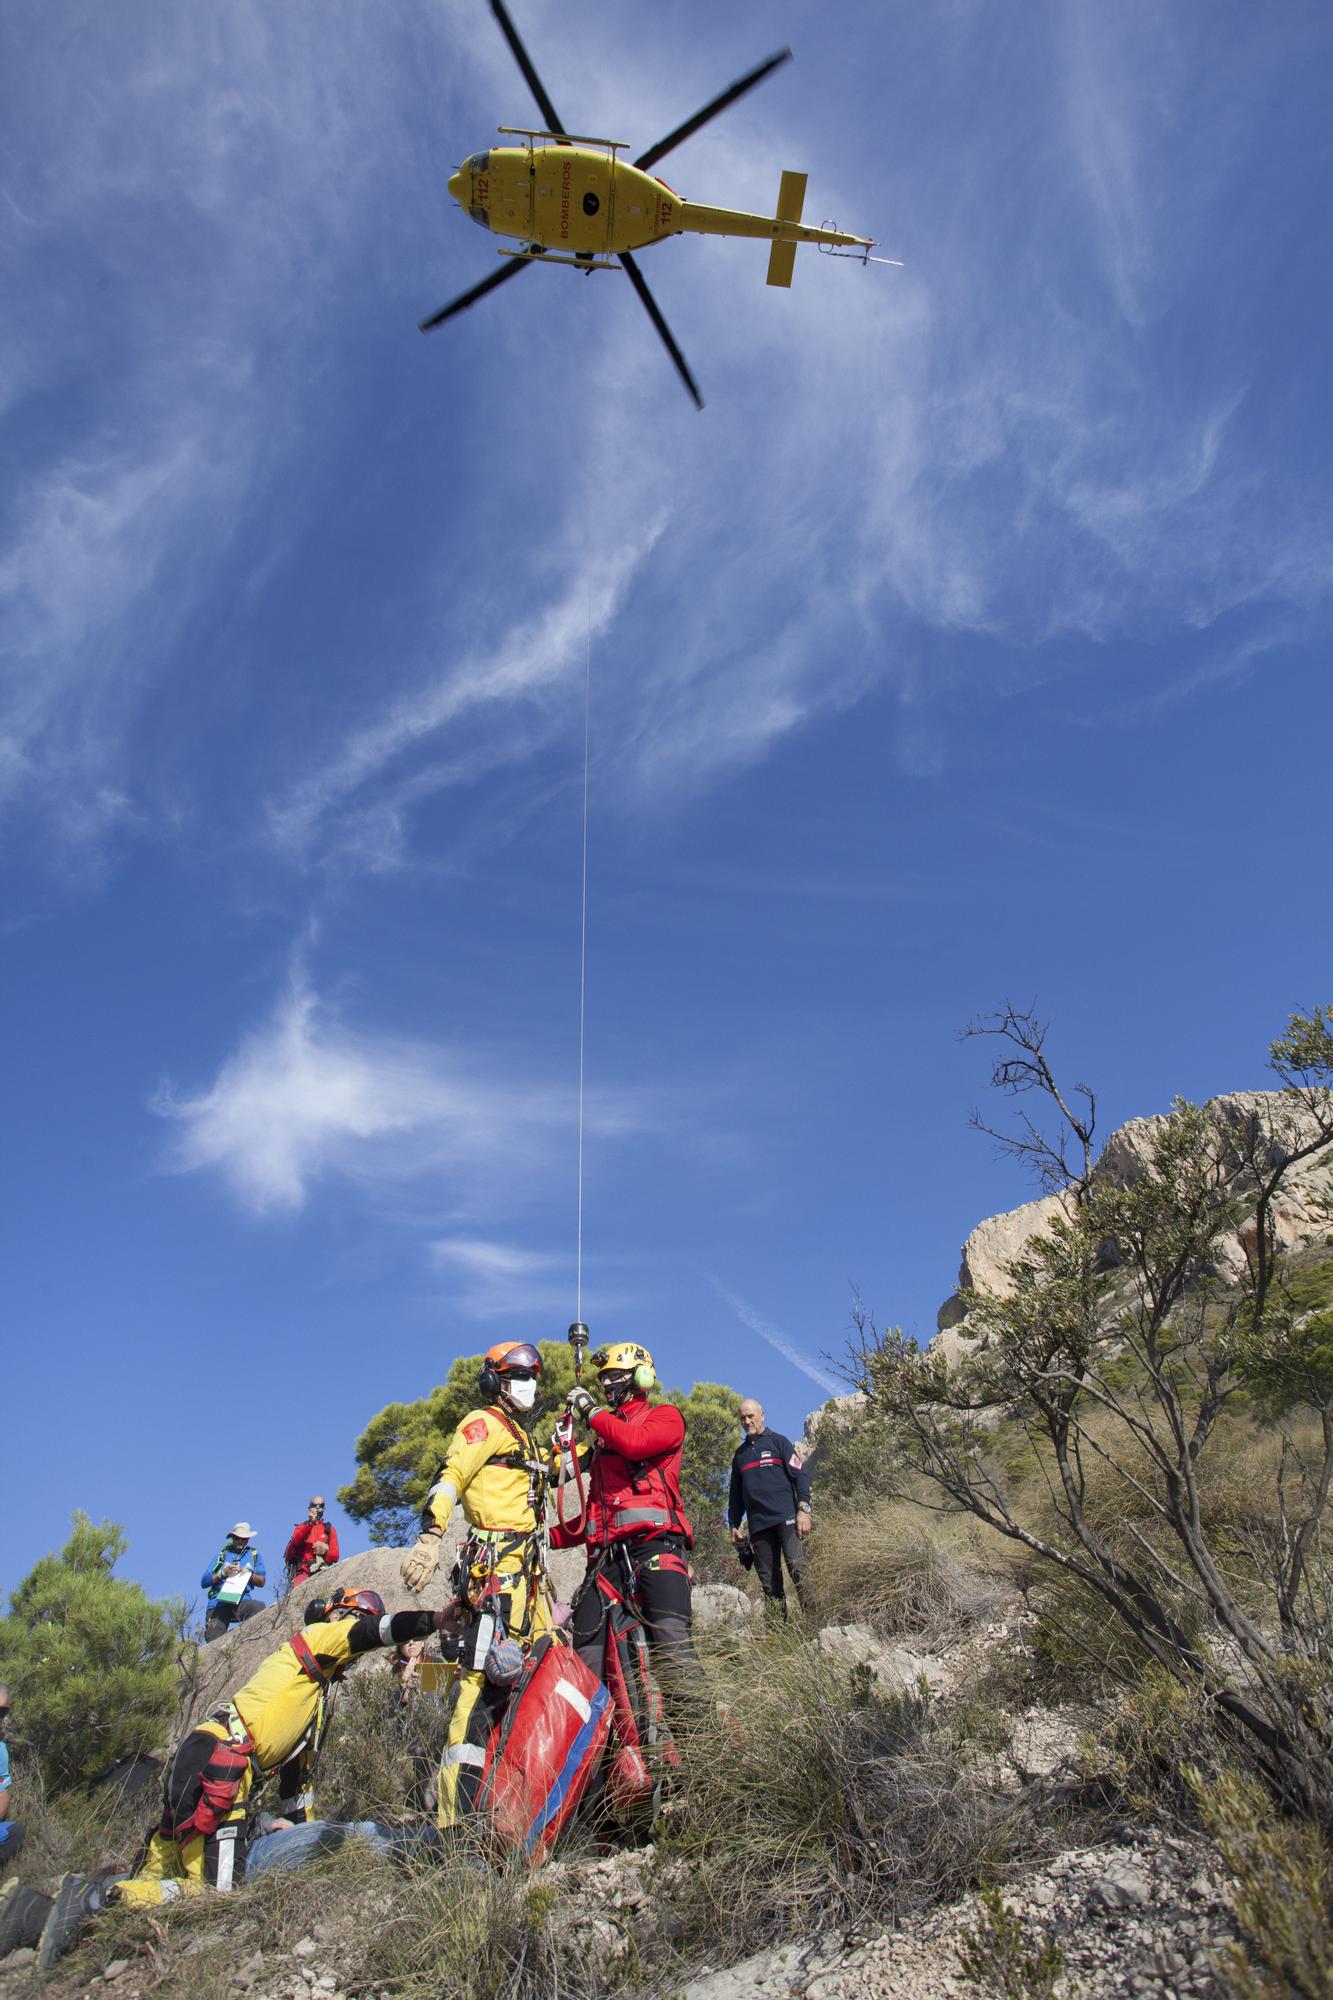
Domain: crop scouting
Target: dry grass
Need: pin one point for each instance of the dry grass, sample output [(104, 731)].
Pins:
[(811, 1799), (806, 1799), (904, 1570)]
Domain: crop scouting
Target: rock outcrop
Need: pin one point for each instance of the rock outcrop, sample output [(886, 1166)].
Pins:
[(1300, 1216), (229, 1662)]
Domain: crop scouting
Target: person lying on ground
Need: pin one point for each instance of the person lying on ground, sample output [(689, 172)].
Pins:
[(272, 1726), (313, 1545), (236, 1570)]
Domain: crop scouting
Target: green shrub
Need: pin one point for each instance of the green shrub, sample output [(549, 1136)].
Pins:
[(380, 1753), (997, 1957), (1281, 1890), (1160, 1731), (91, 1661), (812, 1798)]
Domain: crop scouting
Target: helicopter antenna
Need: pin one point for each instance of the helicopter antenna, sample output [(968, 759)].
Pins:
[(583, 957)]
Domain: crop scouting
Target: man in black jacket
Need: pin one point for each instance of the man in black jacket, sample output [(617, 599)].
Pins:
[(771, 1488)]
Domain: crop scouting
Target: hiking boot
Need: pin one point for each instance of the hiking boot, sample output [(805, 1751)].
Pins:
[(23, 1911), (77, 1901)]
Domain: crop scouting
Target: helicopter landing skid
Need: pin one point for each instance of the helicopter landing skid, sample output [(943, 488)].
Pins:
[(533, 253)]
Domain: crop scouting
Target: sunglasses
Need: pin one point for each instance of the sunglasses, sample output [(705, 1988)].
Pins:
[(520, 1374)]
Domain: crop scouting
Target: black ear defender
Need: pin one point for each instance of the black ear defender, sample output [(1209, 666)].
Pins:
[(488, 1383)]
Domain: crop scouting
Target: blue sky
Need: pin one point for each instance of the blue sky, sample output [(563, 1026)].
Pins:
[(972, 643)]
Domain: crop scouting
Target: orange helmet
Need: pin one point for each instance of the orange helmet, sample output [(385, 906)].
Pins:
[(507, 1354), (355, 1604)]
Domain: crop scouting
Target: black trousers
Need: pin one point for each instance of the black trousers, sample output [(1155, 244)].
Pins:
[(661, 1596), (223, 1616), (770, 1546)]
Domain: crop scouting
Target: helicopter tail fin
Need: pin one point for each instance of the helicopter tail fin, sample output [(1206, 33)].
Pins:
[(791, 200)]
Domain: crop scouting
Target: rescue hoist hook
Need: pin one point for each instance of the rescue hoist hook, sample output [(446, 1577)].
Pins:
[(578, 1340)]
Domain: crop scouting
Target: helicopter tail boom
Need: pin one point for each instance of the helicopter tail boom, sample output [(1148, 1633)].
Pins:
[(791, 200), (698, 219)]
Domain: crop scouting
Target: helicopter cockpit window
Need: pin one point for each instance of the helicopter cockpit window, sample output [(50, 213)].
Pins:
[(479, 163)]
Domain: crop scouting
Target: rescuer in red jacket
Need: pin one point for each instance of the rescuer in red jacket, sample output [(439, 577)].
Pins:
[(633, 1521), (313, 1545)]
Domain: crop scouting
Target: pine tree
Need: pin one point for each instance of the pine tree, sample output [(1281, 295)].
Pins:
[(91, 1661), (402, 1449)]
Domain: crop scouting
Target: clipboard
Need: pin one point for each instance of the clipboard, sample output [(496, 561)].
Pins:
[(233, 1588)]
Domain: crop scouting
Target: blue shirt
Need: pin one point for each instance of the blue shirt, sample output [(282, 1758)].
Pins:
[(4, 1767), (213, 1579)]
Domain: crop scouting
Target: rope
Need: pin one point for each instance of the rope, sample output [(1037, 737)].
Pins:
[(583, 954)]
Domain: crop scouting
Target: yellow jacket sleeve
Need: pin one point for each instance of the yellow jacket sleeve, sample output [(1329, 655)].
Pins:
[(473, 1444)]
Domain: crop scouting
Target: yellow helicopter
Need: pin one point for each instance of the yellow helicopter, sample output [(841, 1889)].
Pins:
[(569, 199)]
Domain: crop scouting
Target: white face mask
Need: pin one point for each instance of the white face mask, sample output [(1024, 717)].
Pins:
[(521, 1394)]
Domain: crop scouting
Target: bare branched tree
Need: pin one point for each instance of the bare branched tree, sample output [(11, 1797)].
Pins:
[(1123, 1334)]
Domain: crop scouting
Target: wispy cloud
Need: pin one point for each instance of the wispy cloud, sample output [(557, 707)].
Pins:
[(532, 656), (988, 441), (306, 1099), (166, 243), (498, 1280), (780, 1342)]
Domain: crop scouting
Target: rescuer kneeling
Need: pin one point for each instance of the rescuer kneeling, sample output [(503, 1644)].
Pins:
[(494, 1467), (272, 1724)]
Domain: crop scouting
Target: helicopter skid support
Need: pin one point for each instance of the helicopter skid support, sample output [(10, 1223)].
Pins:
[(598, 263)]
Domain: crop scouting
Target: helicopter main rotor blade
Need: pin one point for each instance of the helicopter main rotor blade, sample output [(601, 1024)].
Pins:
[(507, 270), (654, 313), (728, 96), (524, 61)]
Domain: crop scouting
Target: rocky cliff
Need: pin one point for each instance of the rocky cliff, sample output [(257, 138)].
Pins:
[(229, 1662), (1298, 1215)]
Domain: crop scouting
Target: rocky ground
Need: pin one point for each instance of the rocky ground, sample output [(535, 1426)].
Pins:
[(1139, 1914), (1143, 1916)]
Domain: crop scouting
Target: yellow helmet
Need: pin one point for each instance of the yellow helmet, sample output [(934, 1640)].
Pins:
[(625, 1357)]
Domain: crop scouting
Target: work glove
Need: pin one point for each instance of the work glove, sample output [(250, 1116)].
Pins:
[(580, 1402), (504, 1663), (421, 1561)]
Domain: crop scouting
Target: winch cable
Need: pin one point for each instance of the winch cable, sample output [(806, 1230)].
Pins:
[(565, 1431), (583, 955)]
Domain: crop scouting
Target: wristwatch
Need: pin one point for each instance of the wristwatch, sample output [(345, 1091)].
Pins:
[(804, 1507)]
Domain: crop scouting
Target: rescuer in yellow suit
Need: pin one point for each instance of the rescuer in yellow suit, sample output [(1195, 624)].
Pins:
[(272, 1724), (497, 1471)]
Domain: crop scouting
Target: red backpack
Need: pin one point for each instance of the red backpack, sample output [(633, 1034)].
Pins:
[(545, 1748)]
